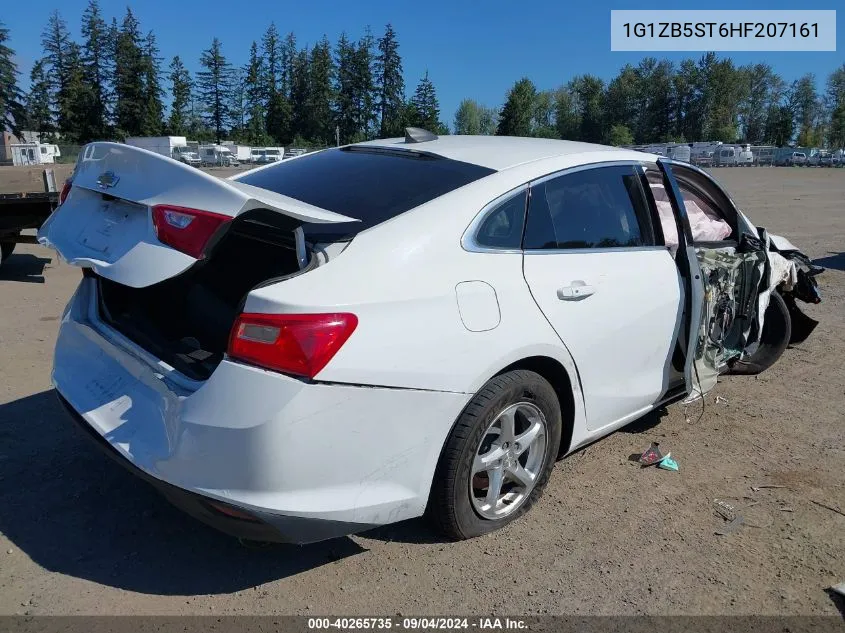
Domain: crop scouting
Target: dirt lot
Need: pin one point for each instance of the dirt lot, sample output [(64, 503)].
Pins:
[(80, 535)]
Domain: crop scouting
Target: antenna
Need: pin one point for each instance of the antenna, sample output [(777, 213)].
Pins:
[(418, 135)]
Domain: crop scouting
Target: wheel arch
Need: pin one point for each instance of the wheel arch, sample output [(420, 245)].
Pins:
[(557, 376)]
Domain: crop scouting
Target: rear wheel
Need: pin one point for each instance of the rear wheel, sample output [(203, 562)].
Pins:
[(498, 457), (777, 330)]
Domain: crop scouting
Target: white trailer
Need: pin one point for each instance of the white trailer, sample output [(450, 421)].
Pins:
[(34, 153), (164, 145), (216, 155)]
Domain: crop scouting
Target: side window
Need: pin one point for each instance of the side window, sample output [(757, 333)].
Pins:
[(602, 207), (502, 227)]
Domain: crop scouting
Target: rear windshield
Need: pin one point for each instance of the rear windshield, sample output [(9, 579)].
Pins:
[(370, 184)]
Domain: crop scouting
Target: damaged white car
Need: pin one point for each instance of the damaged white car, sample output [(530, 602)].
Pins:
[(401, 327)]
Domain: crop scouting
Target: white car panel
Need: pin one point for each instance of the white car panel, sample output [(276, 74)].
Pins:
[(622, 362)]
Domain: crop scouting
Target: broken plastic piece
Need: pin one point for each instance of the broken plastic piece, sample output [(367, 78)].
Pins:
[(667, 463), (652, 455)]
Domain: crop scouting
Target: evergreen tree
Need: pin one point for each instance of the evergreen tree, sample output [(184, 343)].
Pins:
[(277, 106), (153, 123), (805, 104), (11, 110), (39, 117), (425, 106), (364, 93), (390, 84), (319, 120), (237, 103), (214, 84), (255, 96), (95, 61), (55, 41), (299, 95), (515, 117), (76, 95), (130, 72), (180, 91), (345, 107), (289, 52)]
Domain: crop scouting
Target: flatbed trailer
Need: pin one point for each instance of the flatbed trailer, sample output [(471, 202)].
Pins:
[(19, 211)]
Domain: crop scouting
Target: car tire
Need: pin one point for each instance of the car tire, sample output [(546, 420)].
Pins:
[(458, 494), (777, 332), (6, 250)]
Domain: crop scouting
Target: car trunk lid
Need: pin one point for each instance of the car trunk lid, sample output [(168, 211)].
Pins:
[(106, 221)]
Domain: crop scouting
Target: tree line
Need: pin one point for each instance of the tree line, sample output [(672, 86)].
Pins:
[(112, 84), (659, 101)]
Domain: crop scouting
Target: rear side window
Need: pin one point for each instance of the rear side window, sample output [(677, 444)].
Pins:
[(502, 227), (602, 207), (372, 185)]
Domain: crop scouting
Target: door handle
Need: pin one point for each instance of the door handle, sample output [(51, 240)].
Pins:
[(575, 291)]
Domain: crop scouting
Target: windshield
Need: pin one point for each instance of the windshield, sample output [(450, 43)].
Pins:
[(370, 184), (273, 152)]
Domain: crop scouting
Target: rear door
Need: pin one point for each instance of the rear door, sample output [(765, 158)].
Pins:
[(107, 220), (600, 272)]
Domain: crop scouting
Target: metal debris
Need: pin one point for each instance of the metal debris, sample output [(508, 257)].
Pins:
[(721, 400), (760, 487)]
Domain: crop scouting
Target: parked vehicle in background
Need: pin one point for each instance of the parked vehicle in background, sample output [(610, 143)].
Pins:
[(274, 154), (241, 153), (252, 346), (216, 156), (797, 158), (837, 158), (264, 155), (291, 152), (34, 153), (681, 152), (187, 156), (164, 145), (764, 154)]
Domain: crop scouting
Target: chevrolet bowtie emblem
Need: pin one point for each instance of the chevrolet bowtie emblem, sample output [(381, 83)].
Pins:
[(107, 180)]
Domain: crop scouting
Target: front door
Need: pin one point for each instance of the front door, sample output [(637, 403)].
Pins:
[(607, 284)]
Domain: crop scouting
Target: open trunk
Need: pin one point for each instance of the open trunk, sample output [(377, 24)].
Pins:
[(175, 250), (186, 320)]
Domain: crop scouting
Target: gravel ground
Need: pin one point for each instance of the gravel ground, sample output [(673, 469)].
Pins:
[(78, 535)]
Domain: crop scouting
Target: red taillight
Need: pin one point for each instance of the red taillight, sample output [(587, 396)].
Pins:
[(300, 344), (65, 191), (186, 230)]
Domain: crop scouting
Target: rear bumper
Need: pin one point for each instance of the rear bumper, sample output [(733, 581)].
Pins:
[(309, 461), (264, 526)]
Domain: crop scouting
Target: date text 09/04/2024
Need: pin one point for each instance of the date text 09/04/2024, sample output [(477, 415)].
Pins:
[(416, 623)]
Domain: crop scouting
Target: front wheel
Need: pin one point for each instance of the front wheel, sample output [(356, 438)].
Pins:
[(498, 457)]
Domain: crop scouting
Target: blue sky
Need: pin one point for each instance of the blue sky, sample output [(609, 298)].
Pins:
[(470, 48)]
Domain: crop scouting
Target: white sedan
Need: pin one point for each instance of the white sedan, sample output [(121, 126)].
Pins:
[(401, 327)]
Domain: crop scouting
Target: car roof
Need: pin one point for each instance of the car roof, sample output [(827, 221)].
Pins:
[(504, 152)]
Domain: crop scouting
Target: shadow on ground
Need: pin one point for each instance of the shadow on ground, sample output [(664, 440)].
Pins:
[(836, 261), (24, 267), (647, 422), (74, 511)]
